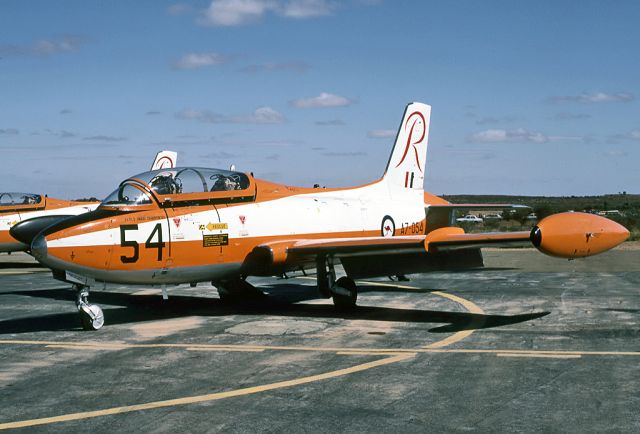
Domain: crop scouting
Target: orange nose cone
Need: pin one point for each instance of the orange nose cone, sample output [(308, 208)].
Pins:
[(576, 235)]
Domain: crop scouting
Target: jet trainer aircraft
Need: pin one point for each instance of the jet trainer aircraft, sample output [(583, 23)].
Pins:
[(44, 211), (189, 224)]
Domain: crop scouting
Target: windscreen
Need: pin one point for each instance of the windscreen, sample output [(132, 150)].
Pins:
[(177, 181), (127, 194), (10, 199)]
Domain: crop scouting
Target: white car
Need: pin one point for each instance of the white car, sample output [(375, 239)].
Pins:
[(470, 218)]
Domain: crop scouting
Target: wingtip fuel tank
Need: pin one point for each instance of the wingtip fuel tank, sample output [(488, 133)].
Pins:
[(576, 235)]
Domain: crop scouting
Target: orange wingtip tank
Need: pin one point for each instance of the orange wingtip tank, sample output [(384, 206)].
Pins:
[(576, 235)]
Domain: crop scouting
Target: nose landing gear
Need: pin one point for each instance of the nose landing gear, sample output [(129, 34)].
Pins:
[(91, 315)]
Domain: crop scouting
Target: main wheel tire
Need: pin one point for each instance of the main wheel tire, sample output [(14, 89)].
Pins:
[(345, 301), (91, 317), (237, 291)]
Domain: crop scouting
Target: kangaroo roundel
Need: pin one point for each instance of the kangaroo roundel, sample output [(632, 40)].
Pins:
[(388, 227)]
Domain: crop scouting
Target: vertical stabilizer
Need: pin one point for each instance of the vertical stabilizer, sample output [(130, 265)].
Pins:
[(165, 160), (406, 168)]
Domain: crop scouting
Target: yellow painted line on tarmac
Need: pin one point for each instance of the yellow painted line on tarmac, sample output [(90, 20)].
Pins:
[(230, 349), (541, 356), (212, 347), (533, 353), (468, 305), (371, 351), (463, 334), (22, 272), (73, 347), (207, 397)]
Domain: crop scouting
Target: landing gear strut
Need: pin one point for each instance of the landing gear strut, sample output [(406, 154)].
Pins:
[(91, 315), (343, 290)]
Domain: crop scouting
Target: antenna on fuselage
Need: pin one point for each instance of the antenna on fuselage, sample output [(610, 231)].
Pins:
[(232, 167)]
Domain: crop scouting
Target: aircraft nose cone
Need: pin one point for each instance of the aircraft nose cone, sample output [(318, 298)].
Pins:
[(26, 231), (39, 248)]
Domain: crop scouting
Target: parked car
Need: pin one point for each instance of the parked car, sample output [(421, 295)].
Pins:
[(492, 217), (532, 216), (470, 218)]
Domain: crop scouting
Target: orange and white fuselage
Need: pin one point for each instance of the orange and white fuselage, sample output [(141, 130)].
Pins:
[(17, 207), (210, 242)]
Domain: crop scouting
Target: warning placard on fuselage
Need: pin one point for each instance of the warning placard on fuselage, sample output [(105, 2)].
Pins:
[(215, 240)]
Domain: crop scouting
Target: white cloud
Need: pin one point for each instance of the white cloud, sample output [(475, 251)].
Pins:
[(331, 123), (235, 12), (306, 8), (381, 134), (9, 131), (298, 67), (44, 47), (616, 153), (53, 46), (103, 138), (496, 120), (595, 98), (500, 135), (262, 115), (634, 135), (564, 116), (179, 9), (240, 12), (631, 135), (344, 154), (322, 100), (199, 60)]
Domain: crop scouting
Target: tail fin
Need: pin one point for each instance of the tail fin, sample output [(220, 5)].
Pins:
[(406, 167), (165, 160)]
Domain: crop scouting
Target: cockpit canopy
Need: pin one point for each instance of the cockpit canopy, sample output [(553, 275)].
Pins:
[(180, 184), (13, 199)]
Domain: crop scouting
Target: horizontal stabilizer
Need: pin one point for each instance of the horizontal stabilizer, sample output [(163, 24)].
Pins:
[(481, 206), (443, 215)]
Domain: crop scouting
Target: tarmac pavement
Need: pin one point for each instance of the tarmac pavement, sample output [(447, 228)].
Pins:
[(529, 344)]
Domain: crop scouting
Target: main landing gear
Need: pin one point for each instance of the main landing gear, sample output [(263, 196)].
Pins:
[(91, 315), (236, 290), (343, 290)]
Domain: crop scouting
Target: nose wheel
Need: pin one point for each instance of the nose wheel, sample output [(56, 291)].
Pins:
[(91, 315)]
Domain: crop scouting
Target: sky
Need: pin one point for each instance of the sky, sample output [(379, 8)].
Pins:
[(528, 98)]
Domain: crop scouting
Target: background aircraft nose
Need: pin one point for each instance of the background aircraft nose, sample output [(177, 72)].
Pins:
[(39, 248), (26, 230)]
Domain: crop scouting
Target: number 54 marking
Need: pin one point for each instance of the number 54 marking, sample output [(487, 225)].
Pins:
[(149, 244)]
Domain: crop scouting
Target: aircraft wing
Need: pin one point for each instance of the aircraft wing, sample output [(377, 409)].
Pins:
[(444, 239), (453, 240), (356, 246), (564, 235)]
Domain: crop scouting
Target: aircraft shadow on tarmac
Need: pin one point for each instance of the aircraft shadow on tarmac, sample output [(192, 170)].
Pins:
[(20, 265), (139, 308)]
